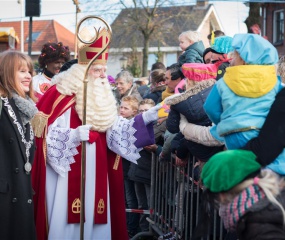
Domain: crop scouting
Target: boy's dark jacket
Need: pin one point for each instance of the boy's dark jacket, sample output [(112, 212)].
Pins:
[(141, 172)]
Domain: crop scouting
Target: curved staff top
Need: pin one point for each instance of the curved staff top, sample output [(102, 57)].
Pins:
[(85, 57)]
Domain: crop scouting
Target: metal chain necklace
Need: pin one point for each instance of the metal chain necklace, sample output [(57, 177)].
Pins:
[(28, 144)]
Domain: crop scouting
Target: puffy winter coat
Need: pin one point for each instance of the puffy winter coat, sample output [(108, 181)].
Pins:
[(192, 54), (264, 221)]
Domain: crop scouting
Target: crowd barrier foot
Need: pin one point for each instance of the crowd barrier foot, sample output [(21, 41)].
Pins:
[(143, 235)]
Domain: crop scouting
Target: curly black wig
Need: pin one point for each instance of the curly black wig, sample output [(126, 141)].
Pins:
[(51, 52)]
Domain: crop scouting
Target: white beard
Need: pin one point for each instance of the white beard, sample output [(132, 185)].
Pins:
[(101, 109)]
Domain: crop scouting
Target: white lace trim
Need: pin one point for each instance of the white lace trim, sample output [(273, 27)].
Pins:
[(121, 139), (61, 148)]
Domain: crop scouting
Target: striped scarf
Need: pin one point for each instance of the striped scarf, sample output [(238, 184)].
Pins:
[(233, 211)]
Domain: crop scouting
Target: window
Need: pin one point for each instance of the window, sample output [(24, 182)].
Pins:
[(278, 27), (34, 36), (151, 60), (171, 58)]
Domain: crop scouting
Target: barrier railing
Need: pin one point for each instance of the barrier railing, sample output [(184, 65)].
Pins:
[(175, 199)]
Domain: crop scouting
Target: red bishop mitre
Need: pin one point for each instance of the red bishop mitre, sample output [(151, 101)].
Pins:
[(87, 51)]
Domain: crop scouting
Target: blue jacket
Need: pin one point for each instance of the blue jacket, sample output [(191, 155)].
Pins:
[(242, 98)]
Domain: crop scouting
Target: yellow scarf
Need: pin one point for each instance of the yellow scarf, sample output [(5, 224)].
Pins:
[(166, 93)]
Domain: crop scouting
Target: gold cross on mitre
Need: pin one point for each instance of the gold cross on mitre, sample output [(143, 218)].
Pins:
[(88, 51)]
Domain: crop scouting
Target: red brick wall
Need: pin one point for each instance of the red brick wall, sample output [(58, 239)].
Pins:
[(271, 7)]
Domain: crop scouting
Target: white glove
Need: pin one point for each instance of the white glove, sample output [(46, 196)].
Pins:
[(83, 132), (151, 114)]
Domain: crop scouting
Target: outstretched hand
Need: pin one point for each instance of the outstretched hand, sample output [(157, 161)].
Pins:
[(151, 114)]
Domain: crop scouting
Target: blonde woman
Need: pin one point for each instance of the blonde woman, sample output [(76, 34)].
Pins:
[(17, 108)]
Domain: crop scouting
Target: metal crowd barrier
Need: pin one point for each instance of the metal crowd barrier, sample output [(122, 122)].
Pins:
[(175, 203)]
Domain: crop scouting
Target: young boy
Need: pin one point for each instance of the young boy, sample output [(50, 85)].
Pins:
[(140, 173), (192, 46), (129, 107)]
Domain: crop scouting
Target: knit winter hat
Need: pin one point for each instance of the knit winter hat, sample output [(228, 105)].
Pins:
[(226, 169), (206, 51), (254, 49), (199, 71), (223, 44)]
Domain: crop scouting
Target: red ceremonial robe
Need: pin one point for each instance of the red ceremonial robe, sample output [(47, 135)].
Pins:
[(61, 103)]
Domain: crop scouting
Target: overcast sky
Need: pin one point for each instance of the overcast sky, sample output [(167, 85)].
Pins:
[(232, 14)]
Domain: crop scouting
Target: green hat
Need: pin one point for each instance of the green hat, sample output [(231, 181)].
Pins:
[(226, 169)]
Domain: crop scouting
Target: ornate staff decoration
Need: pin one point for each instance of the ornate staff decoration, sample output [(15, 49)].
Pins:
[(85, 81)]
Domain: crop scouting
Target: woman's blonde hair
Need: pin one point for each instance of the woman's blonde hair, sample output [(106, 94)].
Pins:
[(268, 181), (10, 62)]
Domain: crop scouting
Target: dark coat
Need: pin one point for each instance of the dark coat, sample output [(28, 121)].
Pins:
[(271, 139), (190, 104), (192, 54), (143, 90), (155, 94), (264, 221), (16, 206), (141, 172), (222, 70)]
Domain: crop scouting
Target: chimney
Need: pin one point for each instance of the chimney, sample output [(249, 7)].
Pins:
[(202, 3)]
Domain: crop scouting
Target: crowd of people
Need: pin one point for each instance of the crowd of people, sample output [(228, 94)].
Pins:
[(222, 106)]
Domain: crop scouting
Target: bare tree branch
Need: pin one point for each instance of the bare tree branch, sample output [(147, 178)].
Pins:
[(144, 22)]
